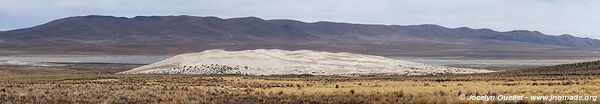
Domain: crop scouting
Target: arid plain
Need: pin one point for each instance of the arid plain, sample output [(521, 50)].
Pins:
[(97, 83)]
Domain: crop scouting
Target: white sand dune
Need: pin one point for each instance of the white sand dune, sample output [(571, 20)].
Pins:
[(276, 62)]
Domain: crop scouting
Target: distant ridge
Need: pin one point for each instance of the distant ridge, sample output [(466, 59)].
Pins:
[(181, 34)]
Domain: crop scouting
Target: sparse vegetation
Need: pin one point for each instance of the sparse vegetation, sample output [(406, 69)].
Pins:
[(78, 84)]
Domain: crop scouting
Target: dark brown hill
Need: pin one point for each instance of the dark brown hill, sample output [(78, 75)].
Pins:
[(580, 70), (583, 68), (180, 34)]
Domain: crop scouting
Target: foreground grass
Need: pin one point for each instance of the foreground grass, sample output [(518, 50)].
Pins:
[(250, 89), (79, 85)]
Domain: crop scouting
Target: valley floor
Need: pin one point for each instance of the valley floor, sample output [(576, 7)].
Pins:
[(96, 83)]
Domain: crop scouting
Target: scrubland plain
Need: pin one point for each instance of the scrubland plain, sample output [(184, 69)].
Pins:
[(96, 83)]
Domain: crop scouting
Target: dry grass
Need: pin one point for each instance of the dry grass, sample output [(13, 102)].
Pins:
[(87, 86), (249, 89)]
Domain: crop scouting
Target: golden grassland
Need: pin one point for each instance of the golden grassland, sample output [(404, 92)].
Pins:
[(71, 84)]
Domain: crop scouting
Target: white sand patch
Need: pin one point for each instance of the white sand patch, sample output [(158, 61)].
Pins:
[(275, 61)]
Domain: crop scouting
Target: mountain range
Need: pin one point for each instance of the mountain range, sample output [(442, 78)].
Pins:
[(166, 35)]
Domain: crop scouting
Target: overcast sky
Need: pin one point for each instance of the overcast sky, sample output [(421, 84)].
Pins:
[(555, 17)]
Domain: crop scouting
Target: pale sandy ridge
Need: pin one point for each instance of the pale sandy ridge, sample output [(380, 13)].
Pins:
[(280, 62)]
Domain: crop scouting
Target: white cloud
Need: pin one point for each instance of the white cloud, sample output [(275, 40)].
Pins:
[(578, 17)]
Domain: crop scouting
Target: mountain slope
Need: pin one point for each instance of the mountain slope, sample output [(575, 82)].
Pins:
[(181, 34), (572, 69)]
